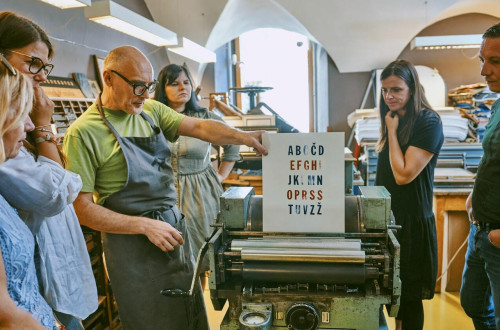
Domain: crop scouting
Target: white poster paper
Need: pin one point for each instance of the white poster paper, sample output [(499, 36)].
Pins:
[(303, 183)]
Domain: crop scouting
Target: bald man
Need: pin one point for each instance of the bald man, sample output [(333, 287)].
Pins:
[(119, 147)]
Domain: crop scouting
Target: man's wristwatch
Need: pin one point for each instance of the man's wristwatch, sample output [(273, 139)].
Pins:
[(48, 138)]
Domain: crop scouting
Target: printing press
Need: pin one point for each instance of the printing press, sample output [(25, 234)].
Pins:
[(304, 281)]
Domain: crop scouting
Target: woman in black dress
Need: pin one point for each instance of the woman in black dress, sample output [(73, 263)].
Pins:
[(410, 140)]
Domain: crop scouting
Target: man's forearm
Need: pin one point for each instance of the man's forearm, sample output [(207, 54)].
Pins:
[(160, 233), (102, 219), (219, 133)]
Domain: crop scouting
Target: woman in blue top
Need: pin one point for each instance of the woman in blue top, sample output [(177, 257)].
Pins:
[(410, 140), (21, 305)]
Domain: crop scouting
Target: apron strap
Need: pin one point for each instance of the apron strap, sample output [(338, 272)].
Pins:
[(155, 128), (101, 112)]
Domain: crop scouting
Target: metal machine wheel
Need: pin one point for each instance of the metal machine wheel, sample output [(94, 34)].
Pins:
[(302, 316)]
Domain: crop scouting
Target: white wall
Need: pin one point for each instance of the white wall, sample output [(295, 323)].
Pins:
[(359, 35), (76, 39)]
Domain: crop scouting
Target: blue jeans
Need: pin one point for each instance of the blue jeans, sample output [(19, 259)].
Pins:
[(480, 291), (69, 321)]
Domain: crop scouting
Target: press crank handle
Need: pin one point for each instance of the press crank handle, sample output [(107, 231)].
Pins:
[(174, 293)]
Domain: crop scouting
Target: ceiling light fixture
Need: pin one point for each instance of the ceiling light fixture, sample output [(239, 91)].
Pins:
[(193, 51), (124, 20), (447, 42), (65, 4)]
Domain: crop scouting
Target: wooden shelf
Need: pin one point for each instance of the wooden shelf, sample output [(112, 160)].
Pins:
[(249, 178), (66, 111), (106, 315)]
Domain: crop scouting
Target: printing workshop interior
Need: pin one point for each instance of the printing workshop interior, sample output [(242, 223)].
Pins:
[(297, 68)]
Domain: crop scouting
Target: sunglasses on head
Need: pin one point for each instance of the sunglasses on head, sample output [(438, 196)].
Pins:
[(7, 65)]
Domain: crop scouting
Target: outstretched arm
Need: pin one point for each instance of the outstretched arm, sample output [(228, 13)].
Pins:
[(220, 133)]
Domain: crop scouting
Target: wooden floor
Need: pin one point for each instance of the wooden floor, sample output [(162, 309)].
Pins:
[(441, 313)]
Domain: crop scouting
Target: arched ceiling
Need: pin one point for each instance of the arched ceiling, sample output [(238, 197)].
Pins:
[(359, 35)]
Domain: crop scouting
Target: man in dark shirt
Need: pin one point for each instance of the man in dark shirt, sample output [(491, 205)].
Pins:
[(480, 292)]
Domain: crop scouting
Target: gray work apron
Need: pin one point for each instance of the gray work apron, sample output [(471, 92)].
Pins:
[(139, 270)]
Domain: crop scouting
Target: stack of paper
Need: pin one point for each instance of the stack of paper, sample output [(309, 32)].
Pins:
[(367, 130), (455, 127)]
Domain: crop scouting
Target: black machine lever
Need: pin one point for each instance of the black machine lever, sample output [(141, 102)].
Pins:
[(174, 293), (179, 293)]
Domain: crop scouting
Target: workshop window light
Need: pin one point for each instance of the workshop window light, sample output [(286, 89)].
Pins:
[(193, 51), (126, 21), (447, 42), (65, 4)]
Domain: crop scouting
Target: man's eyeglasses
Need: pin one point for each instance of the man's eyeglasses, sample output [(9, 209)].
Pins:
[(139, 88), (7, 65), (36, 64)]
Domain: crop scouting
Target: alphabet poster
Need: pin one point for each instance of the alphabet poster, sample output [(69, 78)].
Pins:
[(303, 182)]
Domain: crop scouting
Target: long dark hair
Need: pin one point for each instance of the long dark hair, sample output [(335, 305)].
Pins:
[(417, 102), (166, 77), (17, 32)]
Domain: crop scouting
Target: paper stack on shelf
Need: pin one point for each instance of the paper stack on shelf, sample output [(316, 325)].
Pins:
[(455, 127), (361, 114), (367, 130), (464, 94), (486, 96)]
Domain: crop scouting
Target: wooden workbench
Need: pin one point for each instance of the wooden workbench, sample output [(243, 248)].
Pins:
[(249, 178), (452, 228)]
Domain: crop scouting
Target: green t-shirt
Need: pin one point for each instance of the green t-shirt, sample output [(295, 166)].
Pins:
[(94, 153)]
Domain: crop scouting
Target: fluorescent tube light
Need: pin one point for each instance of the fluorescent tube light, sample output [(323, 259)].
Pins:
[(65, 4), (193, 51), (124, 20), (447, 42)]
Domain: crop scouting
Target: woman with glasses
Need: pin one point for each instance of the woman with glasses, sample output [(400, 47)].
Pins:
[(42, 191), (22, 306), (198, 184), (411, 135)]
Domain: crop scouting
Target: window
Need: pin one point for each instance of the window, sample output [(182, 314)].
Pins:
[(279, 59)]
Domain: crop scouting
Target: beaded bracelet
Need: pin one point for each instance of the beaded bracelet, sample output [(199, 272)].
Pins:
[(36, 127), (44, 130), (46, 138)]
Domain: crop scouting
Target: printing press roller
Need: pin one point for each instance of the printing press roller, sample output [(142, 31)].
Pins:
[(357, 219), (304, 280), (315, 273), (313, 260), (294, 242)]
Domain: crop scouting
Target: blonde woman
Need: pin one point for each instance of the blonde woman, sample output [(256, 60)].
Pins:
[(21, 305)]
